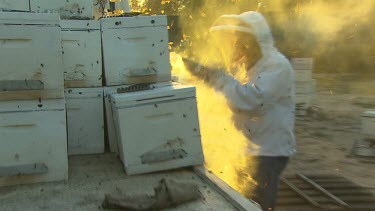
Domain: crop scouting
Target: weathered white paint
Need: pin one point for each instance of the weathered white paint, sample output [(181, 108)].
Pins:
[(22, 18), (135, 50), (80, 25), (302, 75), (133, 22), (368, 124), (31, 52), (157, 121), (108, 91), (18, 5), (72, 9), (33, 131), (82, 53), (85, 120), (305, 87), (302, 63), (303, 68)]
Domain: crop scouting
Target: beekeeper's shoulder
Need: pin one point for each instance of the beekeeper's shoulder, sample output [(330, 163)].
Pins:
[(277, 64)]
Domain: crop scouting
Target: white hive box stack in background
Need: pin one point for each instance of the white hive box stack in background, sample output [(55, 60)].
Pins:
[(303, 68), (32, 106), (368, 124), (304, 84), (15, 5), (68, 9), (158, 129), (85, 120), (366, 146), (135, 50), (82, 54)]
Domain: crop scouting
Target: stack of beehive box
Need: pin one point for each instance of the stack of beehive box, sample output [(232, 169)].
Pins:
[(304, 83), (368, 124), (154, 129), (81, 42), (82, 58), (39, 52), (52, 83), (135, 51), (366, 146)]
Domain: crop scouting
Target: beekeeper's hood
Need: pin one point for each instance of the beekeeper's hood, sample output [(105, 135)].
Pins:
[(249, 22)]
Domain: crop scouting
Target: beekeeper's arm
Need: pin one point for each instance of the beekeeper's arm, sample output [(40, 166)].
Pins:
[(269, 87)]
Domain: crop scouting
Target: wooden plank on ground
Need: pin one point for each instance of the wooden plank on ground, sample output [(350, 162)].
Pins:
[(300, 192), (322, 190)]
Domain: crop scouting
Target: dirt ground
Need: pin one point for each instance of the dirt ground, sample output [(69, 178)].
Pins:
[(93, 176), (325, 136)]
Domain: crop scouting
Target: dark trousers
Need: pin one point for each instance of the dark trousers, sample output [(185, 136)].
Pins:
[(267, 175)]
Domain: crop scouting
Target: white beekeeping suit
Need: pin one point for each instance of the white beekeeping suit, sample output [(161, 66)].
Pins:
[(264, 106)]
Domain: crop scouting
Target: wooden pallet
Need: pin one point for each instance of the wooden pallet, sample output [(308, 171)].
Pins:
[(323, 192)]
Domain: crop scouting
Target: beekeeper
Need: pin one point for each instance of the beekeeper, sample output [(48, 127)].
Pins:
[(263, 106)]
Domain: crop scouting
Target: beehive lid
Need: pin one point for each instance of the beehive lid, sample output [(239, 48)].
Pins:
[(24, 18), (167, 93), (131, 22), (80, 24)]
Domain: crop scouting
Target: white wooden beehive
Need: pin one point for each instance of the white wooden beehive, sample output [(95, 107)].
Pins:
[(302, 63), (15, 5), (157, 129), (305, 87), (85, 120), (82, 53), (111, 132), (368, 124), (33, 141), (31, 53), (135, 50), (302, 75), (68, 9), (303, 68)]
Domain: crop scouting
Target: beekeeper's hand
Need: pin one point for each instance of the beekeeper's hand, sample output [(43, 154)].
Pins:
[(199, 71), (217, 79), (212, 76)]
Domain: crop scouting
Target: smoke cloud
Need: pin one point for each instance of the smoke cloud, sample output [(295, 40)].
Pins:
[(337, 33)]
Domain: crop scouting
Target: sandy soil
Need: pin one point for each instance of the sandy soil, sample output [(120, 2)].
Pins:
[(93, 176), (326, 135)]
